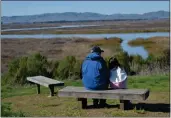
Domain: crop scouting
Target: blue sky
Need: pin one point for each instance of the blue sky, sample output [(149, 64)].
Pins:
[(15, 8)]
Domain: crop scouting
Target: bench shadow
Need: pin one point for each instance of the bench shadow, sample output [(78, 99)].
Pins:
[(153, 107), (109, 106)]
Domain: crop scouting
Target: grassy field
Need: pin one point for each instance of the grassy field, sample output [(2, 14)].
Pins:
[(24, 99), (154, 45)]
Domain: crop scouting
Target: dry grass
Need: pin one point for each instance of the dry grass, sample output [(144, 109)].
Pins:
[(87, 31), (111, 46), (154, 45), (108, 42), (54, 49), (80, 50)]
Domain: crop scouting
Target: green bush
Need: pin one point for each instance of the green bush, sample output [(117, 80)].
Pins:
[(5, 79), (37, 65), (166, 57), (150, 59), (160, 61), (17, 72), (68, 68), (77, 70), (54, 65), (65, 67), (21, 74), (13, 66), (21, 68), (6, 111), (136, 63)]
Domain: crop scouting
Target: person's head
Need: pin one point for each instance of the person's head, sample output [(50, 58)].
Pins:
[(113, 63), (97, 50)]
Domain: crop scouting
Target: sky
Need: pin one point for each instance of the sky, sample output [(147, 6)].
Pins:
[(17, 8)]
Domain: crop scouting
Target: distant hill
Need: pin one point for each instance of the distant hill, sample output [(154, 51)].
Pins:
[(73, 16)]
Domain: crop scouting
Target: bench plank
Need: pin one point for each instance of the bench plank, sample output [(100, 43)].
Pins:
[(122, 94), (44, 81)]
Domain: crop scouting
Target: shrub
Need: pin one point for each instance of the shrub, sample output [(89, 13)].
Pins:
[(21, 74), (77, 70), (54, 65), (136, 63), (6, 111), (69, 67), (13, 66), (5, 79), (65, 67), (166, 57), (157, 64), (37, 65), (23, 67)]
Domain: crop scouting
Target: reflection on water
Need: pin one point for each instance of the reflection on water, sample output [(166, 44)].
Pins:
[(126, 37), (135, 50)]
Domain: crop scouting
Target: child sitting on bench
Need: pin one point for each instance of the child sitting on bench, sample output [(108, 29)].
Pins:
[(118, 76)]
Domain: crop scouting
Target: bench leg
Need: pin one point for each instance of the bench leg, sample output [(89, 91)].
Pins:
[(83, 102), (51, 90), (124, 104), (38, 89)]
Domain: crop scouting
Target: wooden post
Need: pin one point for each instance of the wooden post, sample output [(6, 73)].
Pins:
[(38, 89), (83, 102), (51, 90), (79, 99), (124, 104)]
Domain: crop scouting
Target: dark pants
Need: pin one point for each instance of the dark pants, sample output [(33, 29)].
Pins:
[(100, 102)]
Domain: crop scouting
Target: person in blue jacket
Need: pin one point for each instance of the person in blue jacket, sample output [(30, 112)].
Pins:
[(95, 74)]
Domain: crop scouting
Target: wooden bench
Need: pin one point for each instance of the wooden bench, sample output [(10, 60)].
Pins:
[(122, 94), (45, 81)]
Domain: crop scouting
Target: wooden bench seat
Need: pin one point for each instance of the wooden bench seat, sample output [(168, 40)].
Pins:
[(45, 81), (122, 94)]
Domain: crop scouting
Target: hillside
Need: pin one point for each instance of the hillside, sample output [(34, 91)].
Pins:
[(73, 16)]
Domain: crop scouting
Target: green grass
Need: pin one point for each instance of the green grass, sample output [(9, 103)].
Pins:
[(153, 83), (9, 91), (6, 111), (25, 100)]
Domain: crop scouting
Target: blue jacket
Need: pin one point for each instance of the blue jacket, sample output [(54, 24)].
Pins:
[(95, 74)]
